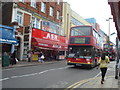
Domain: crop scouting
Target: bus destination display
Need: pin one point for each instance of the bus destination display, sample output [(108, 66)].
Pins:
[(80, 40)]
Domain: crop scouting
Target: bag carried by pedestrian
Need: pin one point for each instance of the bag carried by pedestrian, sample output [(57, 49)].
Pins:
[(16, 59), (42, 57)]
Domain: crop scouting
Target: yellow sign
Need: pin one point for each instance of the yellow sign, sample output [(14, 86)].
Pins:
[(34, 57)]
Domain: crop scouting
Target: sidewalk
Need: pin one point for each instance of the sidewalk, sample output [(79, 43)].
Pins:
[(110, 81), (25, 64)]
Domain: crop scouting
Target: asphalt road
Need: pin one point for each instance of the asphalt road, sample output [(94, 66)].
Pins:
[(56, 75)]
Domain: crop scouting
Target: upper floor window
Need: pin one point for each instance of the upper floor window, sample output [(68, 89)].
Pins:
[(58, 2), (21, 0), (35, 23), (58, 15), (51, 11), (43, 7), (38, 23), (33, 3), (20, 17)]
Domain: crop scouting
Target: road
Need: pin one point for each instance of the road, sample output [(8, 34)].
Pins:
[(55, 75)]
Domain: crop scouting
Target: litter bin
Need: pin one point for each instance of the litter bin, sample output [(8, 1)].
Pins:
[(5, 60)]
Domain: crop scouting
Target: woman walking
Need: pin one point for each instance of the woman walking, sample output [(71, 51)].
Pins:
[(103, 62)]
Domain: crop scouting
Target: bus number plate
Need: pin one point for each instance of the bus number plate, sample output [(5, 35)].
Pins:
[(78, 64)]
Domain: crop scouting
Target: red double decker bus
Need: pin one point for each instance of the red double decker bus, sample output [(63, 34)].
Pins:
[(109, 50), (84, 46)]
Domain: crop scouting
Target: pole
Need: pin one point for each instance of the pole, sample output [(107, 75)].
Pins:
[(108, 33)]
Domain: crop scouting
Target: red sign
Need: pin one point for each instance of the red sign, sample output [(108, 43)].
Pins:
[(49, 40)]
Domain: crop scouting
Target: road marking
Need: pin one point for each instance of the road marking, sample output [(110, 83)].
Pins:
[(79, 83), (53, 69), (4, 79), (26, 75), (8, 69), (83, 81)]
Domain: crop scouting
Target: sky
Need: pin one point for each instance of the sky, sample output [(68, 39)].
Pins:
[(98, 9)]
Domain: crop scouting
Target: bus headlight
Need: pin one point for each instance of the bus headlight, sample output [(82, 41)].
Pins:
[(69, 61), (88, 60)]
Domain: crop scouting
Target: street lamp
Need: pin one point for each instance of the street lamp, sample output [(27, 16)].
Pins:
[(108, 29), (108, 33), (59, 33), (60, 18)]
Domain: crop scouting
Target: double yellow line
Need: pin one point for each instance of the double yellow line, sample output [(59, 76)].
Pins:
[(79, 83)]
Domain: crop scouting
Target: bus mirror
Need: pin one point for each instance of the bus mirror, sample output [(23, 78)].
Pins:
[(66, 57)]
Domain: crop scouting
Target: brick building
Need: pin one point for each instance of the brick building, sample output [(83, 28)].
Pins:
[(41, 16)]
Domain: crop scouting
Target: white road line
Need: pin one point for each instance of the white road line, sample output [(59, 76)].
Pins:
[(26, 75), (43, 71), (53, 69), (8, 69), (4, 79)]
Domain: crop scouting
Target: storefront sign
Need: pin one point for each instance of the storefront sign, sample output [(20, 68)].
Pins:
[(48, 40), (47, 36), (7, 35), (51, 36)]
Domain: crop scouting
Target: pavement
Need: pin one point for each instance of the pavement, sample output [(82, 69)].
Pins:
[(110, 81), (26, 64)]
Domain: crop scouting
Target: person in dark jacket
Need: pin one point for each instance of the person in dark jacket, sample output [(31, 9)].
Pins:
[(40, 57), (13, 60)]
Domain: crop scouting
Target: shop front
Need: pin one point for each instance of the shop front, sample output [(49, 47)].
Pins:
[(52, 45), (7, 40)]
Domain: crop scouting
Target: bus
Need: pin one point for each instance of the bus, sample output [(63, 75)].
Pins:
[(109, 50), (84, 46)]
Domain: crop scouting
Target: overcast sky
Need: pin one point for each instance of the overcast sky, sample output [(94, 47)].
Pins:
[(98, 9)]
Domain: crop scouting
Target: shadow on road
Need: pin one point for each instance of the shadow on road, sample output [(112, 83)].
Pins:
[(80, 67)]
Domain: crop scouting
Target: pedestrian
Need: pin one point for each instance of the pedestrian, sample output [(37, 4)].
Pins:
[(41, 57), (13, 56), (29, 56), (103, 64)]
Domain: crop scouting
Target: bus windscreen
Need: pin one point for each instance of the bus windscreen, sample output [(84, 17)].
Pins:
[(80, 31), (80, 52)]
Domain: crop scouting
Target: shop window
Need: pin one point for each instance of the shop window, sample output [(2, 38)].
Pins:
[(62, 53)]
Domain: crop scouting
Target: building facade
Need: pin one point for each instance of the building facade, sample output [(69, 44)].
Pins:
[(70, 19), (44, 16)]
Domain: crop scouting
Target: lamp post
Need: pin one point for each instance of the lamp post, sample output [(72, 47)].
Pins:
[(108, 29), (108, 32), (59, 33), (60, 18)]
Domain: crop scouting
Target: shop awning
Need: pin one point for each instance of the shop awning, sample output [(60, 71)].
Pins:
[(6, 36), (48, 44)]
